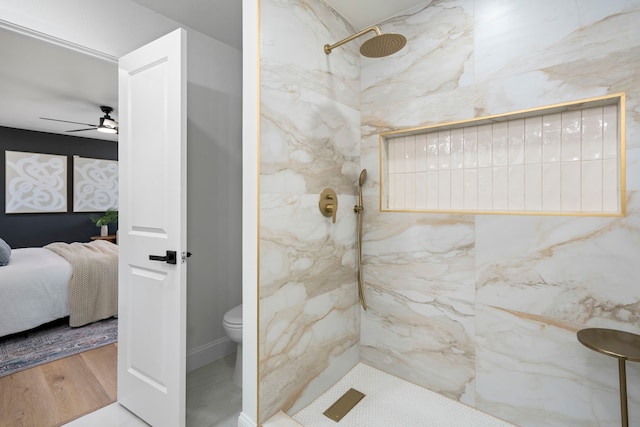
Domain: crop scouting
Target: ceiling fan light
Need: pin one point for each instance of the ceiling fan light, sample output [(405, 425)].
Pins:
[(104, 129), (107, 126)]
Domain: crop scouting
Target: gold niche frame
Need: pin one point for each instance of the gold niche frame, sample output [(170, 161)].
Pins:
[(617, 99)]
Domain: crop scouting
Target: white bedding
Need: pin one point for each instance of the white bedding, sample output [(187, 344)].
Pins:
[(33, 289)]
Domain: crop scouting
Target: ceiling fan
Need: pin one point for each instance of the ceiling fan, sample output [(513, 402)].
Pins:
[(107, 124)]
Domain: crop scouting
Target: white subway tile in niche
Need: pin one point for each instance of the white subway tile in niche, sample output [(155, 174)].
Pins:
[(533, 140), (485, 151), (410, 154), (444, 150), (611, 191), (592, 184), (421, 153), (611, 132), (470, 147), (592, 126), (533, 187), (551, 138), (516, 188), (561, 159), (470, 190), (500, 191), (457, 149), (498, 143), (515, 143)]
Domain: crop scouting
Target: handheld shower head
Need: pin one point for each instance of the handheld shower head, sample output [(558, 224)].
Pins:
[(376, 47), (363, 177), (361, 180)]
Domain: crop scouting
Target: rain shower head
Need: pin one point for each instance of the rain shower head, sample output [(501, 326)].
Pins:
[(383, 45), (376, 47)]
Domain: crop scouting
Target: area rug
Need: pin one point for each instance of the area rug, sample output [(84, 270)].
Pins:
[(52, 342)]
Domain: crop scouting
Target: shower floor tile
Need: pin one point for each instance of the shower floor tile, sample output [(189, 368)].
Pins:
[(390, 401)]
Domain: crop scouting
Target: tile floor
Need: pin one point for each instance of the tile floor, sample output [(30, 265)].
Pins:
[(390, 401), (212, 401)]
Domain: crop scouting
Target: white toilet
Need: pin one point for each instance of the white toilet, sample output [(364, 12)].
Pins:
[(232, 324)]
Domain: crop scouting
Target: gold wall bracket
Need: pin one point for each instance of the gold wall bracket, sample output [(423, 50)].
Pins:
[(328, 203)]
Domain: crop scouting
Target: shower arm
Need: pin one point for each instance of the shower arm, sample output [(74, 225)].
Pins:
[(328, 48)]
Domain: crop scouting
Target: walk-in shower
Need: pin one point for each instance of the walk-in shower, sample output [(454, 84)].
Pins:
[(376, 47)]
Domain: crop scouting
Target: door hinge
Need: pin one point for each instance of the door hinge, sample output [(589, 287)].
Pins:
[(185, 255)]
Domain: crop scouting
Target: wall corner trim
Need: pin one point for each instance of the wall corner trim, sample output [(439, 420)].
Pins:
[(245, 421)]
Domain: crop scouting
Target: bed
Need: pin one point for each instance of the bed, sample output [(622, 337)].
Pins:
[(42, 284)]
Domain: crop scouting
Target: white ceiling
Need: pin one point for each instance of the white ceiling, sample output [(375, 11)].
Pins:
[(222, 19), (364, 13), (41, 79)]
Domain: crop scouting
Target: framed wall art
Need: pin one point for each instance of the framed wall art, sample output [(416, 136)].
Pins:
[(95, 184), (35, 182)]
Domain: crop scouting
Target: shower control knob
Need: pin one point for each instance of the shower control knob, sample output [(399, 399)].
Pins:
[(328, 203)]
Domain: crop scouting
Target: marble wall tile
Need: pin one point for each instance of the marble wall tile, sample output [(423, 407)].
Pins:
[(303, 252), (309, 100), (533, 371), (535, 280), (426, 340), (514, 38), (306, 347), (440, 59), (481, 308), (304, 147), (292, 36), (308, 298), (572, 269), (370, 160), (419, 254), (579, 79), (309, 140), (419, 276)]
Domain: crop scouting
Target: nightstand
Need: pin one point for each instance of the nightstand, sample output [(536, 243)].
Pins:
[(110, 238)]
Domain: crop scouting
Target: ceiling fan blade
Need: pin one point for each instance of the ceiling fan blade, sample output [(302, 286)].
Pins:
[(80, 130), (67, 121)]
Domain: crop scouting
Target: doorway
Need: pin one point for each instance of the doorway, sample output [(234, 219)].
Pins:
[(217, 223)]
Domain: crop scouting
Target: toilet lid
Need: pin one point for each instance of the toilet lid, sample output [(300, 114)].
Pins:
[(234, 316)]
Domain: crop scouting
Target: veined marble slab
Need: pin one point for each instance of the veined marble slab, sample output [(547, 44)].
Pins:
[(310, 134)]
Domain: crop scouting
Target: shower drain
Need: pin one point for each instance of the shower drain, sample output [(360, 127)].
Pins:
[(344, 404)]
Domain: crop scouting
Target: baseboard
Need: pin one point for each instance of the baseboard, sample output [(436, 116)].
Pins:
[(207, 353), (245, 421)]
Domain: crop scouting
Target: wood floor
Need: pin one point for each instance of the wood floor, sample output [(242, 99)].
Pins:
[(53, 394)]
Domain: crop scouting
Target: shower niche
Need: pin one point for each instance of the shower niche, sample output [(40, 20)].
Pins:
[(563, 159)]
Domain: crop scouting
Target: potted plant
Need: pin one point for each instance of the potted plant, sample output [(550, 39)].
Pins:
[(103, 221)]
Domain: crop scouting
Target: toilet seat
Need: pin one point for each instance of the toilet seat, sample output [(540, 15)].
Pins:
[(233, 317)]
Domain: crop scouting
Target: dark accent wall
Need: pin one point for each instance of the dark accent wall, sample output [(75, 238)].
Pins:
[(39, 229)]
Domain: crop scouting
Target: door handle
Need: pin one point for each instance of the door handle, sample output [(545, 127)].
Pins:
[(170, 258)]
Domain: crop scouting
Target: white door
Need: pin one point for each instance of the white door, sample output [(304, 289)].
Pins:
[(152, 296)]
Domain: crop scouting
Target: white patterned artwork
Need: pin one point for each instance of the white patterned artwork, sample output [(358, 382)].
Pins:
[(95, 184), (35, 182)]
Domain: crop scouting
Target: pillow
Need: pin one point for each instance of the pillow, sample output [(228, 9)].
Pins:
[(5, 253)]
